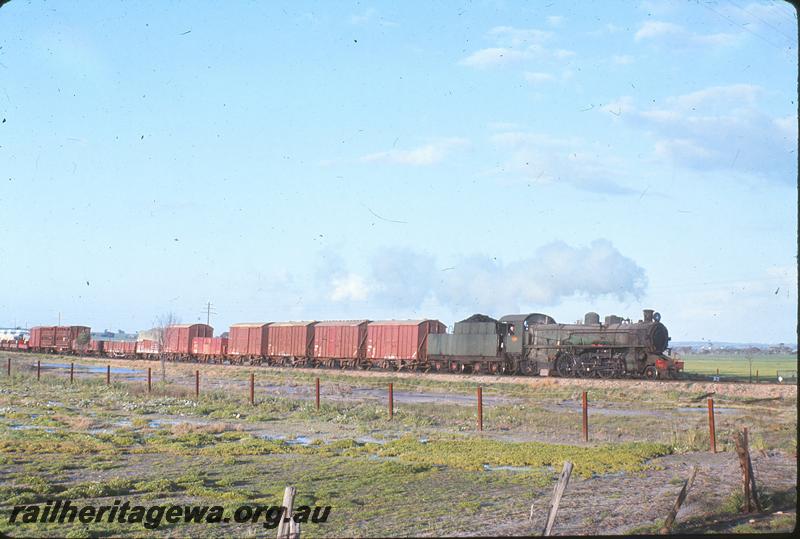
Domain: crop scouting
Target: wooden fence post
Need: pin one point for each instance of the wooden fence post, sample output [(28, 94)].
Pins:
[(108, 375), (288, 528), (665, 529), (9, 367), (317, 399), (197, 384), (558, 492), (480, 408), (38, 369), (748, 478), (252, 389), (71, 372), (391, 400), (585, 408), (711, 430), (149, 379)]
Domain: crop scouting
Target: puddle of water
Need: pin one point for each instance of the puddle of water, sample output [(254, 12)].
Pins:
[(33, 427), (490, 468), (92, 369), (300, 440), (156, 423), (370, 440), (276, 437), (623, 412), (717, 410)]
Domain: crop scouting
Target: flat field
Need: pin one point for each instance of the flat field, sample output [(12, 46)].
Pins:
[(426, 471), (738, 367)]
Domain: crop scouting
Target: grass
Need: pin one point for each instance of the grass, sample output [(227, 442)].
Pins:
[(94, 441), (738, 367)]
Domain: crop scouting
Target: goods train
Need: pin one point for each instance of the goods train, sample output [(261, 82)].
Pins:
[(527, 344)]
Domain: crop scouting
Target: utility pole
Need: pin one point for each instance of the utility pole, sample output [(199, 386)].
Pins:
[(209, 310)]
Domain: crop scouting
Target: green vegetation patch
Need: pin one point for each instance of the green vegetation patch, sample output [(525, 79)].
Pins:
[(473, 453)]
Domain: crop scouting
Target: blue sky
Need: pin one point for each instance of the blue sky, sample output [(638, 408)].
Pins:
[(394, 160)]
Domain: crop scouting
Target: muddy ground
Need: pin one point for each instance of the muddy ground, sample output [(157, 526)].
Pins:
[(396, 491)]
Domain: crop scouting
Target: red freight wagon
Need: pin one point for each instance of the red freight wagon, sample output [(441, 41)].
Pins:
[(96, 347), (290, 339), (58, 337), (147, 347), (178, 338), (120, 348), (401, 340), (248, 339), (340, 339), (209, 346), (35, 340)]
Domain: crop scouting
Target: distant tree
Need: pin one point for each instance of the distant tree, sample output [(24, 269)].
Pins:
[(161, 324)]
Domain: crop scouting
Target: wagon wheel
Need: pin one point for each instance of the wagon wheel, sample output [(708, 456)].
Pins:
[(437, 366), (476, 368), (650, 372), (494, 368), (565, 365), (606, 372), (526, 368)]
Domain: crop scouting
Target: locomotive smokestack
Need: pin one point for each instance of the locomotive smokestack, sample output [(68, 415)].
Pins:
[(591, 318), (648, 315)]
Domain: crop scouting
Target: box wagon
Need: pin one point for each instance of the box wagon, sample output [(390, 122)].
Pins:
[(400, 343), (147, 348), (96, 347), (248, 340), (59, 338), (210, 347), (290, 342), (119, 348), (178, 338), (340, 342)]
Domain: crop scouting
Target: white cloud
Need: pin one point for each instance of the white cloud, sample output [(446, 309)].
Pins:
[(538, 78), (555, 20), (622, 59), (511, 36), (493, 56), (350, 287), (718, 128), (512, 45), (428, 154), (553, 272), (369, 16), (540, 158), (678, 35)]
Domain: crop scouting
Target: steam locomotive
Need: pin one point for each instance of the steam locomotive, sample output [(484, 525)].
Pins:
[(534, 343)]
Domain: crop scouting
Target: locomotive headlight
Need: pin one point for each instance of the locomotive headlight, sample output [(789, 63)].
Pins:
[(657, 317)]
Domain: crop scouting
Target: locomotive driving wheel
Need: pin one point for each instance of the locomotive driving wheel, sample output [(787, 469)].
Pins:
[(651, 373), (565, 365)]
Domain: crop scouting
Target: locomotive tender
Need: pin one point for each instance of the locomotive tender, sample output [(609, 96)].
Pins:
[(527, 344)]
